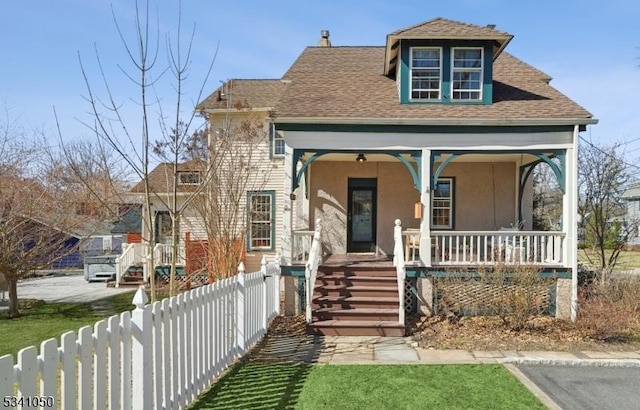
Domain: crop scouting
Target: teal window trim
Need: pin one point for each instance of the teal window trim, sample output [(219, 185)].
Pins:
[(274, 138), (452, 182), (272, 215), (447, 47)]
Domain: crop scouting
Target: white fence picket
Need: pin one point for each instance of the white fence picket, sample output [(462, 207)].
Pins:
[(28, 365), (113, 387), (100, 364), (158, 356), (85, 367), (49, 368), (68, 350)]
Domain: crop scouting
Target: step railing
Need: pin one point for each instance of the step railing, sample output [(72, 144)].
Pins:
[(132, 254), (495, 247), (301, 248), (400, 265), (311, 269)]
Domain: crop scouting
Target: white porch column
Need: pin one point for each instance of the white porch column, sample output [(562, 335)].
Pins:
[(569, 221), (287, 217), (425, 199)]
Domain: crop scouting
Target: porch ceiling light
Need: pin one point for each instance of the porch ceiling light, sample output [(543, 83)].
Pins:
[(361, 158)]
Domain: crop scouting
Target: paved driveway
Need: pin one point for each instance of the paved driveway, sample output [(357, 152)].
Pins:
[(588, 387), (66, 288)]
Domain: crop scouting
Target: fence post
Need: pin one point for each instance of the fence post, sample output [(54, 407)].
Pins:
[(265, 303), (276, 284), (141, 370), (240, 311)]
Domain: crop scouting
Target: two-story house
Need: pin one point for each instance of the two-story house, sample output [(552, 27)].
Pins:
[(436, 132)]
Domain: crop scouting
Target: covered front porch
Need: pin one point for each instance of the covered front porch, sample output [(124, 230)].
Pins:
[(456, 208), (433, 212)]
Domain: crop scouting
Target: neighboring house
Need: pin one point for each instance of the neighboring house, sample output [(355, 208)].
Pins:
[(632, 199), (131, 265), (439, 128)]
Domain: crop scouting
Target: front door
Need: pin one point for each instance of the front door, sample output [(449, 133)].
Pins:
[(361, 218)]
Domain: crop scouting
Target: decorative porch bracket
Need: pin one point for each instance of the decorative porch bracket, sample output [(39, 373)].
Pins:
[(437, 172), (527, 170), (415, 175)]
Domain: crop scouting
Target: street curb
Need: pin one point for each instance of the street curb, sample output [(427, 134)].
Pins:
[(532, 361), (532, 387)]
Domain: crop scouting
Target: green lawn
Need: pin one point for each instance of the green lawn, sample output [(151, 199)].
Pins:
[(51, 320), (627, 260), (304, 386)]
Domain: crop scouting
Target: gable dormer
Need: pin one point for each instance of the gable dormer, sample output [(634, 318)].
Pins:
[(444, 61)]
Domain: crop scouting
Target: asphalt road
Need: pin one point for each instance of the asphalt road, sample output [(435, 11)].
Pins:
[(65, 288), (588, 387)]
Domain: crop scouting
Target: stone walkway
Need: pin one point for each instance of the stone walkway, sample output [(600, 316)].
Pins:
[(400, 350)]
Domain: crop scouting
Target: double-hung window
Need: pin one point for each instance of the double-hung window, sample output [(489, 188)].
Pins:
[(466, 74), (426, 73), (261, 224), (442, 204), (277, 143)]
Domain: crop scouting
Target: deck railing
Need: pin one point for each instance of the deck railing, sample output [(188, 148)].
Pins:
[(163, 254), (490, 248)]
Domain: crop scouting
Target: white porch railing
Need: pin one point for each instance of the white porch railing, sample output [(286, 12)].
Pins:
[(490, 248), (301, 248), (311, 270), (159, 356), (399, 263)]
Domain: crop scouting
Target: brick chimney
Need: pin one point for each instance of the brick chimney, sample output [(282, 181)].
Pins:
[(324, 39)]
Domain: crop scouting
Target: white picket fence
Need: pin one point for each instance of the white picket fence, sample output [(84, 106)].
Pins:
[(158, 356)]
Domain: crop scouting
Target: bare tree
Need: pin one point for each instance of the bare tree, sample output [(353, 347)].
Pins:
[(173, 117), (34, 220), (239, 154), (603, 175)]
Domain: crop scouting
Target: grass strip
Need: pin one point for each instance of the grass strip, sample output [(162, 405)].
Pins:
[(51, 320), (305, 386)]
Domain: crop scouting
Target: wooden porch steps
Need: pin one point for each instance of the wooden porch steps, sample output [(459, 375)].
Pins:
[(355, 301)]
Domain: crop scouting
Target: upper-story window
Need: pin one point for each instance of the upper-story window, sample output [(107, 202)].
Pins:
[(188, 177), (466, 74), (277, 142), (426, 73)]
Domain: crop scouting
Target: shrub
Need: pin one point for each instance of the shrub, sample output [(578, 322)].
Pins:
[(514, 293), (610, 312)]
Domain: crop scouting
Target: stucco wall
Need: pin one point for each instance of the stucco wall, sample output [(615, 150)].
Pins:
[(328, 197), (484, 197)]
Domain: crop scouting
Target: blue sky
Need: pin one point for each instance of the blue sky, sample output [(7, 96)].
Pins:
[(590, 48)]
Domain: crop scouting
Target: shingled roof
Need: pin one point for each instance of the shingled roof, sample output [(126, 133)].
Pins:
[(443, 29), (342, 83), (256, 94), (348, 85), (160, 178)]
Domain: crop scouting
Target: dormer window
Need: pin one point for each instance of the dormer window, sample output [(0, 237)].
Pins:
[(188, 177), (426, 73), (466, 76)]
